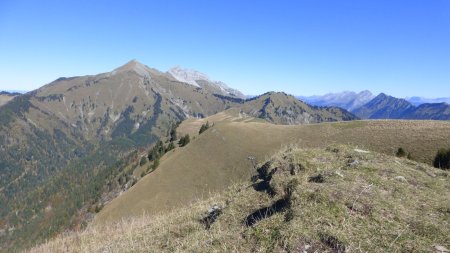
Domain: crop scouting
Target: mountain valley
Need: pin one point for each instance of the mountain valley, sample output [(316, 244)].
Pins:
[(224, 126), (66, 144)]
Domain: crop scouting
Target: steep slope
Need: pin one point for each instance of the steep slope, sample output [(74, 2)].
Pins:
[(61, 145), (199, 79), (280, 108), (384, 107), (436, 111), (225, 154), (119, 102), (340, 199), (348, 100)]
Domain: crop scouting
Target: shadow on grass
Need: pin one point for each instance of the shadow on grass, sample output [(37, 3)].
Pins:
[(266, 212)]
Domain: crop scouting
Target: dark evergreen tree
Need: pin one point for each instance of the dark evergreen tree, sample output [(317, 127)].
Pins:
[(170, 147), (442, 159), (173, 134), (143, 161), (204, 127), (155, 164), (184, 140)]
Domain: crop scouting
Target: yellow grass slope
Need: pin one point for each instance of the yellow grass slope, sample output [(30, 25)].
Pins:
[(322, 201), (220, 156)]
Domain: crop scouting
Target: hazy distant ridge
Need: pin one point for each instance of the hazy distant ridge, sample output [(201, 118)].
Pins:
[(348, 100), (388, 107), (367, 106)]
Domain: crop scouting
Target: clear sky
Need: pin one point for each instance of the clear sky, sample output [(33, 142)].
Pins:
[(302, 47)]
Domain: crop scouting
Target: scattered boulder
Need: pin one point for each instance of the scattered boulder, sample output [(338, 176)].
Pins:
[(361, 151), (401, 179), (306, 248), (440, 249), (337, 172), (213, 213), (352, 163)]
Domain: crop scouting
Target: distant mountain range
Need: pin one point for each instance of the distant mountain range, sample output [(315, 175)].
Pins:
[(348, 100), (366, 106), (388, 107), (13, 91), (384, 107), (420, 100)]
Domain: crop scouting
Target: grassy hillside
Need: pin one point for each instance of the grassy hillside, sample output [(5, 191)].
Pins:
[(64, 144), (281, 108), (220, 156), (338, 199), (60, 144)]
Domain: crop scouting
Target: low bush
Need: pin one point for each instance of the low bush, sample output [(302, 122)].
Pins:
[(442, 159), (400, 152)]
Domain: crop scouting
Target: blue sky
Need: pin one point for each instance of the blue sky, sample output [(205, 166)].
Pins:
[(303, 47)]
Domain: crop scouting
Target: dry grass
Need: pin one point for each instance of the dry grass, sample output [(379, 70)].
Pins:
[(5, 99), (219, 157), (364, 202)]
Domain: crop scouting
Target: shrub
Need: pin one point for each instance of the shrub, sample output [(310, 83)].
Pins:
[(442, 159), (173, 131), (170, 147), (155, 164), (98, 208), (204, 127), (184, 140), (409, 156), (400, 152), (173, 135), (157, 151), (143, 161)]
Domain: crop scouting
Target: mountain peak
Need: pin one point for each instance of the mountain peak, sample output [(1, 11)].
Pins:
[(199, 79), (365, 93), (384, 106), (382, 94), (135, 66), (189, 76), (275, 93), (348, 100)]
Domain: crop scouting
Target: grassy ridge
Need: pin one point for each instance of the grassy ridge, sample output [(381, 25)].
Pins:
[(220, 156), (337, 199)]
